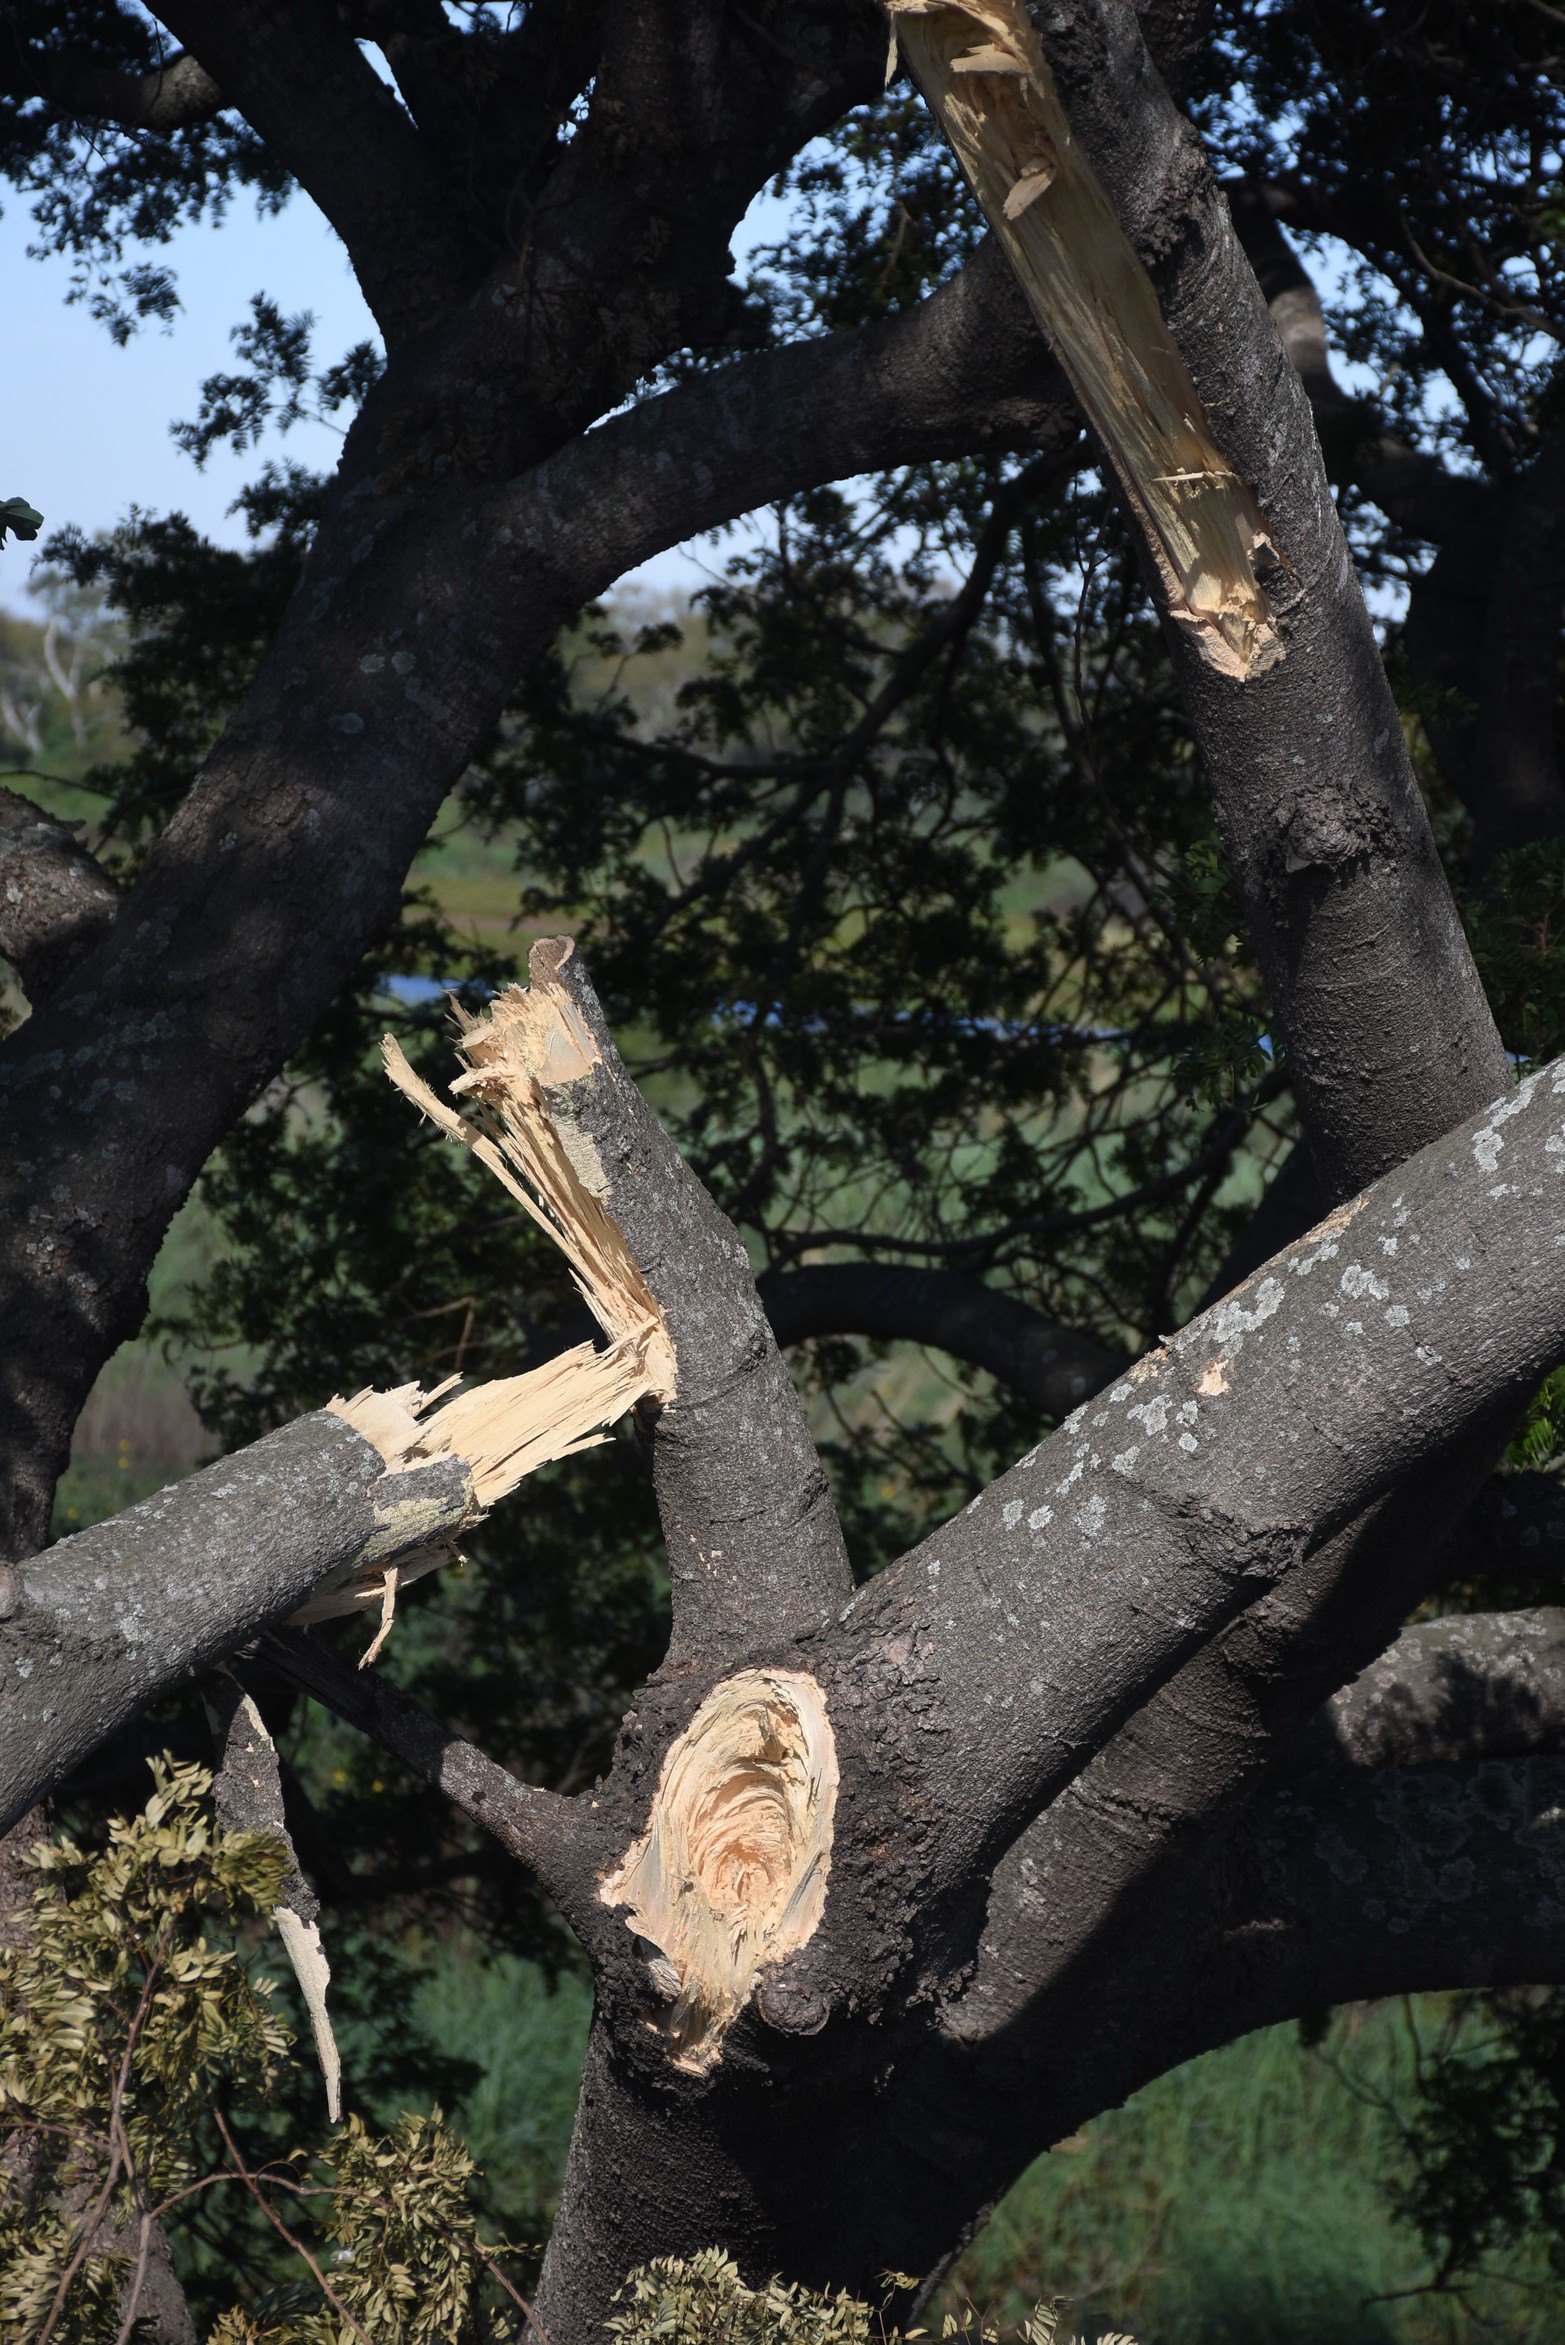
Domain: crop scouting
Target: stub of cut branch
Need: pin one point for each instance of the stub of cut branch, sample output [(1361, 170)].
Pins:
[(522, 1056), (730, 1875), (982, 70)]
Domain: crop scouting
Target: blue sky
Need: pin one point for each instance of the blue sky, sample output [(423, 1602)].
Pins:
[(84, 424)]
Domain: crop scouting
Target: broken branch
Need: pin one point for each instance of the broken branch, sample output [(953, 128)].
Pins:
[(981, 68), (730, 1873), (104, 1622), (247, 1792)]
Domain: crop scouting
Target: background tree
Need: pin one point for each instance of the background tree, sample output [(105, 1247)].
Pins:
[(911, 912)]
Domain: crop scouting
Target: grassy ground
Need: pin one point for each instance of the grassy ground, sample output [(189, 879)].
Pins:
[(138, 1429), (1247, 2200)]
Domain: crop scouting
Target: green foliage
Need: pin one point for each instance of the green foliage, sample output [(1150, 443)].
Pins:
[(107, 198), (523, 2030), (1516, 923), (1487, 2153), (118, 2020), (403, 2259), (1540, 1438), (275, 385), (126, 2039), (703, 2301), (1276, 2191)]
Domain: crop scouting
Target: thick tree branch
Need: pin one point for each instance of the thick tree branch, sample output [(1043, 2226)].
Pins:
[(1364, 1883), (296, 74), (102, 1623), (1405, 1324), (56, 899), (755, 1552), (1484, 619), (287, 864), (1391, 1881), (1479, 1685), (1105, 1859), (1051, 1366), (1199, 1744), (247, 1795), (491, 104), (1364, 958), (176, 96)]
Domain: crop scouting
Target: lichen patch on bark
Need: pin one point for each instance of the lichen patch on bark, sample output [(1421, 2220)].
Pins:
[(982, 70), (730, 1875)]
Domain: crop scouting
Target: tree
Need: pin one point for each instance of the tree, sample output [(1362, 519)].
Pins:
[(1092, 1775)]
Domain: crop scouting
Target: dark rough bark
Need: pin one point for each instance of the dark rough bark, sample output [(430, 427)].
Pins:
[(754, 1547), (1484, 618), (314, 97), (1105, 1856), (1356, 1884), (1062, 1857), (1393, 1880), (971, 1682), (1479, 1685), (104, 1622), (1203, 1454), (175, 96), (247, 1784)]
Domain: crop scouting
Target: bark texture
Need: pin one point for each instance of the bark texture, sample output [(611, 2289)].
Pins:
[(56, 899), (104, 1622)]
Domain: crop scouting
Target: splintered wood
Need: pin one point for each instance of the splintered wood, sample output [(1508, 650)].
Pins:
[(983, 73), (730, 1874), (523, 1055)]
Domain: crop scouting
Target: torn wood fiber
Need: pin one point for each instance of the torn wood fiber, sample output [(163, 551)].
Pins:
[(729, 1876), (982, 70), (330, 1514), (520, 1056)]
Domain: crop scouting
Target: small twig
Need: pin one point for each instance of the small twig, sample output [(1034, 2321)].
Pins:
[(282, 2230), (119, 2156)]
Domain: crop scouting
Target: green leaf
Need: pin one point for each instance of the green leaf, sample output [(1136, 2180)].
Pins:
[(23, 520)]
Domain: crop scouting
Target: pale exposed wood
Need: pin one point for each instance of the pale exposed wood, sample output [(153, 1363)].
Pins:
[(983, 72), (522, 1056), (730, 1874)]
